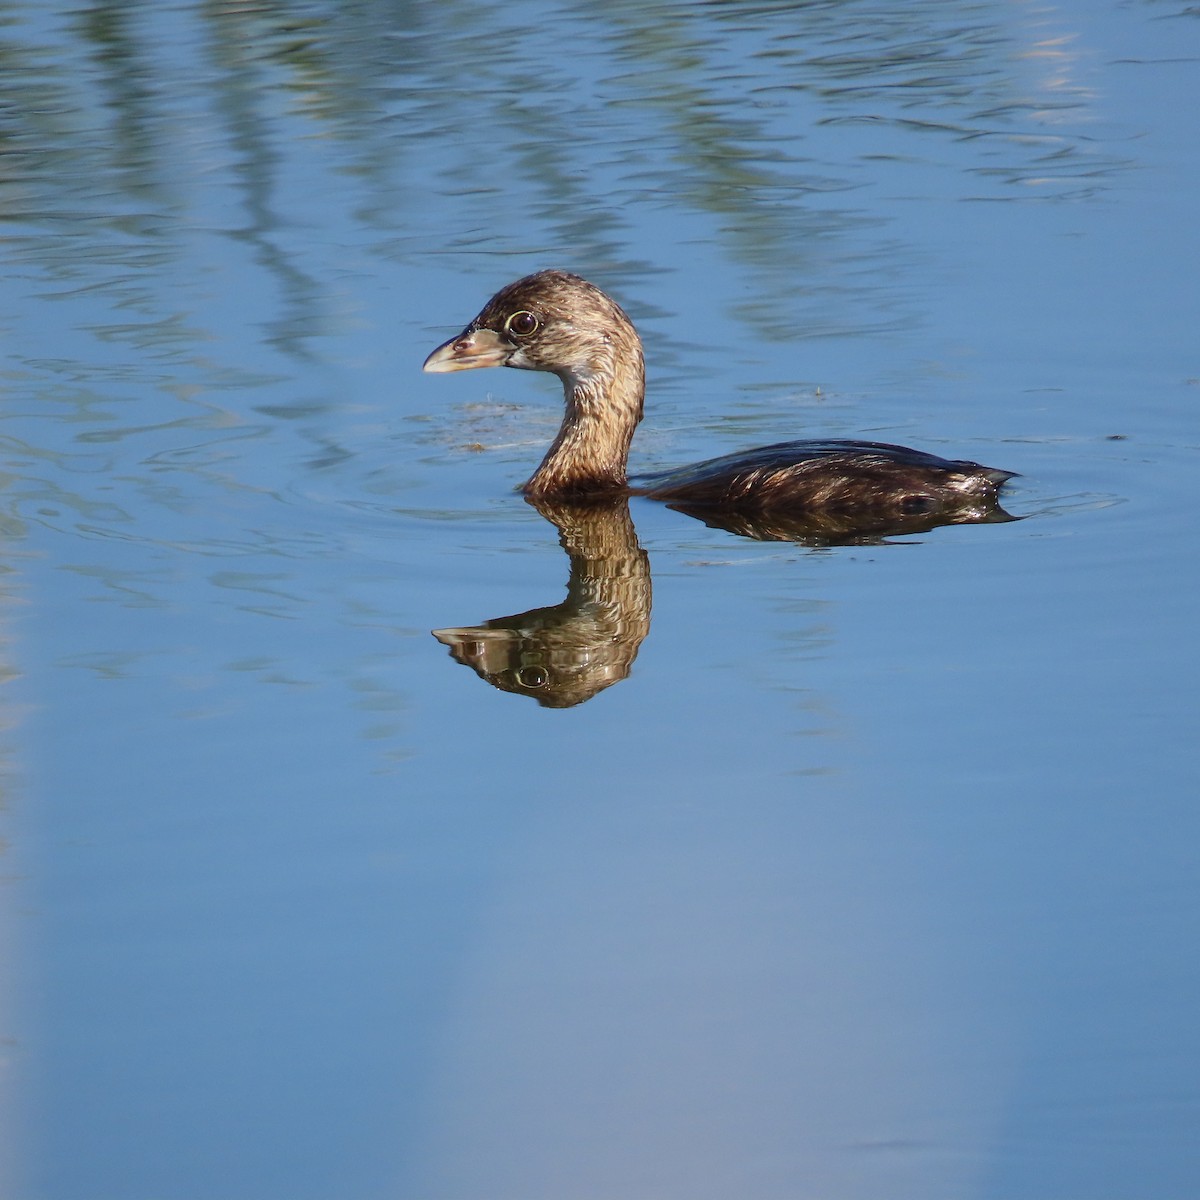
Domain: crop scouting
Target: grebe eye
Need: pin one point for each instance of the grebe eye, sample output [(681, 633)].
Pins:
[(532, 677), (522, 323)]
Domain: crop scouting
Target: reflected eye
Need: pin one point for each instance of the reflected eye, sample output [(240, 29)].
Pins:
[(521, 323)]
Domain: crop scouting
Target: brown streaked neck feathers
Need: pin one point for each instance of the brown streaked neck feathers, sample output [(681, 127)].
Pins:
[(603, 407)]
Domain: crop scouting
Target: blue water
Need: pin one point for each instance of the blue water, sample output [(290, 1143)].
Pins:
[(872, 875)]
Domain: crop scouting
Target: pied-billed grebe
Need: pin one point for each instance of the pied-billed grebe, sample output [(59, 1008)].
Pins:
[(555, 321)]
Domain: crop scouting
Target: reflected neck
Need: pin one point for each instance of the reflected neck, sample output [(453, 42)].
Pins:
[(603, 408)]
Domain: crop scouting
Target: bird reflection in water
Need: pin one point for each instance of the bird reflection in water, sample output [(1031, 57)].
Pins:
[(823, 529), (564, 654)]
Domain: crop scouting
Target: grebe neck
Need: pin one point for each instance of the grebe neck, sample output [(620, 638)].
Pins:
[(603, 405)]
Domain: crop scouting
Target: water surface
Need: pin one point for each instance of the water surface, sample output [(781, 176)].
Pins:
[(870, 874)]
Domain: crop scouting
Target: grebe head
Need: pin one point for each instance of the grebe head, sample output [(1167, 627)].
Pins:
[(551, 321)]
